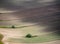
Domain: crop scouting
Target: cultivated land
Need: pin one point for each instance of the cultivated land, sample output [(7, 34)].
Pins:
[(17, 35)]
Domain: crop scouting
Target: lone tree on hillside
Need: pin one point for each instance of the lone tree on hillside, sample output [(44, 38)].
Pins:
[(28, 36), (13, 26)]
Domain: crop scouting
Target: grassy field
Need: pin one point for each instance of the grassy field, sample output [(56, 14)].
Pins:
[(34, 30), (1, 37), (3, 20), (39, 39)]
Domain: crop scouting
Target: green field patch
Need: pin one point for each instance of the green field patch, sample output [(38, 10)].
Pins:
[(39, 39), (1, 37), (3, 20), (13, 26), (1, 42), (5, 27)]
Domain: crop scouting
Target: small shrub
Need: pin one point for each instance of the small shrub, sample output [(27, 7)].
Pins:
[(13, 26), (28, 36)]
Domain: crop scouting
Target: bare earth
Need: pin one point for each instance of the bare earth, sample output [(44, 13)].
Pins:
[(10, 33)]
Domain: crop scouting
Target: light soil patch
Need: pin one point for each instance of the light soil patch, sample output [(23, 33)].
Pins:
[(52, 42), (10, 33)]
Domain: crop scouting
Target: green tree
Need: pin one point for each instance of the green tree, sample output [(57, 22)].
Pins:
[(13, 26), (28, 36)]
